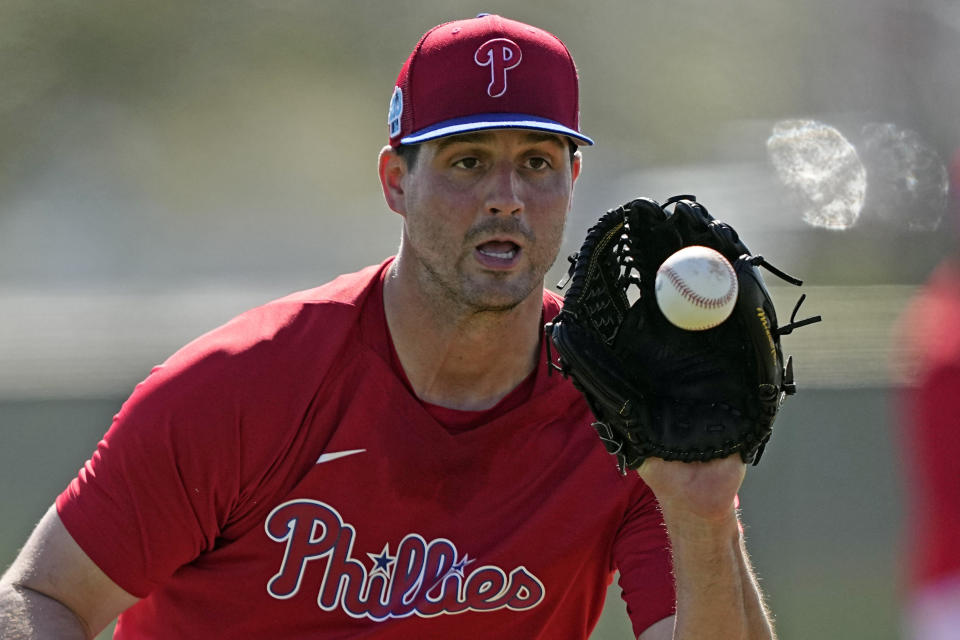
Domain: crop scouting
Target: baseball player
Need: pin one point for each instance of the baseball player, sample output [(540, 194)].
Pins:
[(387, 456), (929, 408)]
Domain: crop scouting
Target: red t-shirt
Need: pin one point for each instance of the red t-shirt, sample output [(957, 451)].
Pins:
[(276, 478)]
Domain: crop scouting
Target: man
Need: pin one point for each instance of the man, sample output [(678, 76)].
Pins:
[(929, 407), (386, 456)]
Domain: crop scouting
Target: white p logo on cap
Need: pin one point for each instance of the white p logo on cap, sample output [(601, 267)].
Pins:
[(501, 55)]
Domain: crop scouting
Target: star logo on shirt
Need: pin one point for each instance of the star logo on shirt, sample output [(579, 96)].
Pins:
[(382, 562), (458, 567)]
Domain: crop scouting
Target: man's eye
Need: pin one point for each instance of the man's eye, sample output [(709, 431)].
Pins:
[(467, 163), (536, 162)]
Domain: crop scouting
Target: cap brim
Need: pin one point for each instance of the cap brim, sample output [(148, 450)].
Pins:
[(493, 121)]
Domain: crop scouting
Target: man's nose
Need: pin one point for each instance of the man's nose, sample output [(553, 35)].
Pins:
[(503, 195)]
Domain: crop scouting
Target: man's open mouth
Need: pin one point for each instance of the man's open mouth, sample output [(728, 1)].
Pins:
[(498, 254), (501, 250)]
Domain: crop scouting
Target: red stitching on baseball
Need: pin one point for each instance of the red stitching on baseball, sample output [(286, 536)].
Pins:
[(696, 298)]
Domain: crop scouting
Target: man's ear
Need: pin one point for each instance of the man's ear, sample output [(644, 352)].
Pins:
[(577, 165), (393, 170)]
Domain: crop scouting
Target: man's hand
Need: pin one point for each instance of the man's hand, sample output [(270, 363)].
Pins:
[(704, 490)]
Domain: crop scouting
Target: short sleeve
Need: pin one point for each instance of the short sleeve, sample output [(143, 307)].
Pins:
[(154, 493), (641, 554)]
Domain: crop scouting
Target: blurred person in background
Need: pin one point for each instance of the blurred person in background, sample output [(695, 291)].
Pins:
[(930, 417)]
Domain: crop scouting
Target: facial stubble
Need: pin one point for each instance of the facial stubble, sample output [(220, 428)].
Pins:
[(463, 296)]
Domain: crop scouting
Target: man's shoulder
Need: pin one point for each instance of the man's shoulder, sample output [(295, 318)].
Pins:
[(347, 289), (303, 329), (552, 303)]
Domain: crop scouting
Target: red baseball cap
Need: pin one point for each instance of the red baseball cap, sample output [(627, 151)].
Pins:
[(487, 72)]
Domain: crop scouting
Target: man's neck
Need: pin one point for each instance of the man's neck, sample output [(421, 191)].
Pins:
[(461, 359)]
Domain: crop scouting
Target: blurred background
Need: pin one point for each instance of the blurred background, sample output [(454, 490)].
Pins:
[(165, 166)]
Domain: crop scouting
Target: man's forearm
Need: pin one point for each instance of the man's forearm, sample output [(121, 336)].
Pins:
[(759, 619), (30, 615), (717, 592)]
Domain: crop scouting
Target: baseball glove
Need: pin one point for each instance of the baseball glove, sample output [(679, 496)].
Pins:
[(655, 389)]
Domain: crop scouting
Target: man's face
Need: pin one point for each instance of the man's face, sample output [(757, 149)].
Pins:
[(484, 214)]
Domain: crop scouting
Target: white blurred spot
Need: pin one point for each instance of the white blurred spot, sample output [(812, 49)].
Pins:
[(821, 170), (908, 181)]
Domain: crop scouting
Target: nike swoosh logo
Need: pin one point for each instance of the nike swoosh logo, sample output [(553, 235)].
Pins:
[(327, 457)]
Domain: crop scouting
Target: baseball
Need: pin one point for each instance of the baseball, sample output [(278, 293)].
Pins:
[(696, 288)]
